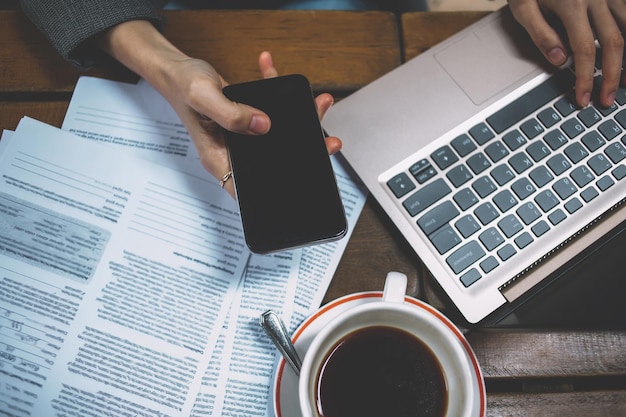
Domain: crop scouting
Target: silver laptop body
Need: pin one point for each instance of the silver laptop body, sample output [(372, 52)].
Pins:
[(398, 134)]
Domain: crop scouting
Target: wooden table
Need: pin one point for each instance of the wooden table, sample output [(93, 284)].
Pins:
[(528, 372)]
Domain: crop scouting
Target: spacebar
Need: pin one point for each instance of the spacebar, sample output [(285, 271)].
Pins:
[(558, 84)]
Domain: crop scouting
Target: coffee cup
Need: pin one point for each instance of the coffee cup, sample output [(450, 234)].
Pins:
[(396, 356)]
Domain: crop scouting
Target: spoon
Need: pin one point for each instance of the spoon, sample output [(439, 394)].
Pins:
[(275, 329)]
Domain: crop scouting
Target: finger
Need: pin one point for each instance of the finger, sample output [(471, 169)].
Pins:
[(323, 103), (612, 43), (333, 144), (232, 116), (546, 38), (266, 65), (582, 43)]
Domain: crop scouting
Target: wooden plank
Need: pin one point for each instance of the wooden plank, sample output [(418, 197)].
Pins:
[(51, 112), (588, 404), (336, 50), (540, 354), (365, 45), (421, 30)]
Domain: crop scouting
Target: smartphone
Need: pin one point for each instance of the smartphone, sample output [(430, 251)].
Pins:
[(284, 181)]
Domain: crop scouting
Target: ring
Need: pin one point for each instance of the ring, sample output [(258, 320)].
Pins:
[(225, 178)]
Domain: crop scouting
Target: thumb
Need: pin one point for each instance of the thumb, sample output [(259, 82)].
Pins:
[(545, 37), (235, 117)]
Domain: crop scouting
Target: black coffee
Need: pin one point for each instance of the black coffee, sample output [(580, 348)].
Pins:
[(384, 372)]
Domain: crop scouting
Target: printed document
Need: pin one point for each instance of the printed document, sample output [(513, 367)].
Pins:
[(213, 351)]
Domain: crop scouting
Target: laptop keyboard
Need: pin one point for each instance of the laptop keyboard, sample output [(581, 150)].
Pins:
[(515, 176)]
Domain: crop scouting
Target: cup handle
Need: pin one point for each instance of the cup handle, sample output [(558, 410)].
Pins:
[(395, 287)]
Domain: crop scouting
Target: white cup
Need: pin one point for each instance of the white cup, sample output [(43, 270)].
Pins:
[(463, 379)]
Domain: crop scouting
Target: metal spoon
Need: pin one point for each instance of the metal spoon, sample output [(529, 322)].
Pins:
[(275, 329)]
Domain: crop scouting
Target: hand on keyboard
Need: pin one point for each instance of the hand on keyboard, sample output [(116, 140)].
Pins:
[(581, 19)]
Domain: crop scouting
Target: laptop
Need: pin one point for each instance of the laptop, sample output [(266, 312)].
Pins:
[(478, 155)]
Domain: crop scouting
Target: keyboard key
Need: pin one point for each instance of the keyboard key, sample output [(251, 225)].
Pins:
[(589, 116), (478, 163), (593, 141), (555, 139), (481, 133), (565, 106), (426, 196), (538, 151), (465, 198), (572, 128), (540, 176), (422, 171), (514, 139), (616, 152), (528, 212), (558, 164), (506, 252), (467, 225), (486, 212), (444, 239), (470, 277), (576, 153), (444, 157), (609, 129), (557, 216), (463, 144), (573, 205), (400, 185), (523, 240), (540, 228), (531, 128), (546, 200), (502, 174), (465, 256), (564, 188), (549, 117), (496, 151), (510, 225), (437, 217), (605, 183), (523, 188), (459, 175), (491, 238), (619, 172), (504, 200), (589, 194), (489, 264), (484, 186), (520, 162), (620, 116), (582, 176), (599, 164), (524, 106)]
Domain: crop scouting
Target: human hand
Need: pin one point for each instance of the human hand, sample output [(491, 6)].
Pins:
[(581, 19), (205, 112)]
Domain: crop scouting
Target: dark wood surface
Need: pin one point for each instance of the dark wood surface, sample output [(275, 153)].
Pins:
[(528, 372)]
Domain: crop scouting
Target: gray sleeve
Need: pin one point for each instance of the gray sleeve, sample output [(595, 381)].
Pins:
[(69, 24)]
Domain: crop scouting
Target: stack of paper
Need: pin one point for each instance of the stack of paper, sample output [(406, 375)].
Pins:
[(126, 286)]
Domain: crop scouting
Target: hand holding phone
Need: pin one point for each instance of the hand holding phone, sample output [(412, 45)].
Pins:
[(284, 181)]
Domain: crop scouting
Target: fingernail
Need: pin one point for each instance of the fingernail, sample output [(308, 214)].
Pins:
[(585, 100), (611, 98), (557, 56), (259, 124)]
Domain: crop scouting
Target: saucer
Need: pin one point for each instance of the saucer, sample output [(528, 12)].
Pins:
[(285, 388)]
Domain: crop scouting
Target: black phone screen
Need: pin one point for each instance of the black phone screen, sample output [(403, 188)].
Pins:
[(284, 180)]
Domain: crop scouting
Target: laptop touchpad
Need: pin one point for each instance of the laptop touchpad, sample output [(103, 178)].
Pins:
[(491, 59)]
